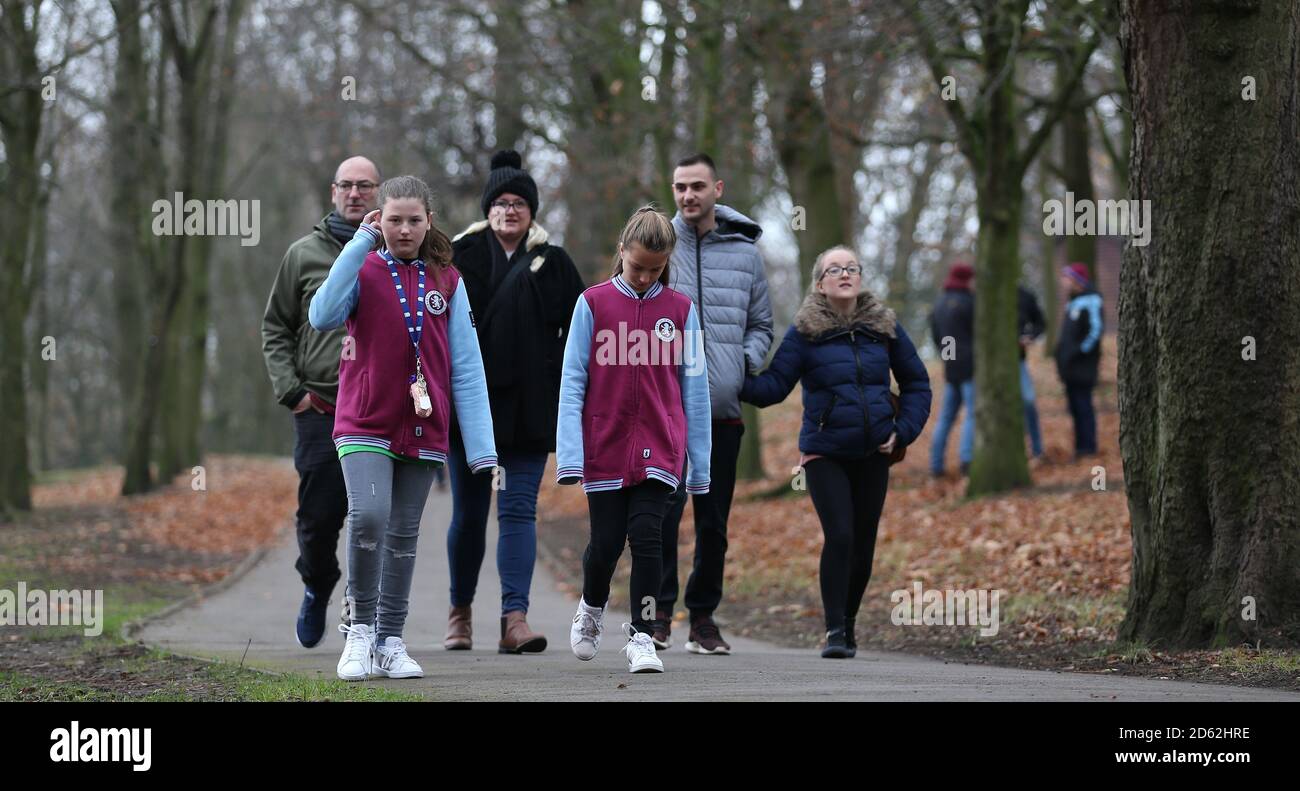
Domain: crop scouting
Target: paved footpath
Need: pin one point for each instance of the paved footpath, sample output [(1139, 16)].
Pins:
[(263, 604)]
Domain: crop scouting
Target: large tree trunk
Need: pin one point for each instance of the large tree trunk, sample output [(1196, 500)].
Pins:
[(20, 122), (131, 254), (1211, 441), (999, 462)]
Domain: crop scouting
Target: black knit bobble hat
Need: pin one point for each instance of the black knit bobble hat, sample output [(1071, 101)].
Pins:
[(508, 175)]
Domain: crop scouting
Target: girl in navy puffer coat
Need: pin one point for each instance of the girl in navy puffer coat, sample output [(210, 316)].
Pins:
[(843, 345)]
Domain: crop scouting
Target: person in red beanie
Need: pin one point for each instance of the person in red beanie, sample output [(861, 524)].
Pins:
[(1078, 354), (952, 327)]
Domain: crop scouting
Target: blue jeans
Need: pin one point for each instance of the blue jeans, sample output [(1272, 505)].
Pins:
[(953, 396), (471, 497), (1031, 410)]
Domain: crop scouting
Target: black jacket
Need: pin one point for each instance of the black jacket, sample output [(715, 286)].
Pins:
[(522, 317), (954, 316), (1029, 317), (1078, 349)]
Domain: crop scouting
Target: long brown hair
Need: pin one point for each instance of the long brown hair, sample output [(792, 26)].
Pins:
[(649, 228), (436, 247)]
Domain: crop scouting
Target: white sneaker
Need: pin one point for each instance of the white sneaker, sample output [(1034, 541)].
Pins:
[(640, 650), (358, 657), (391, 660), (588, 626)]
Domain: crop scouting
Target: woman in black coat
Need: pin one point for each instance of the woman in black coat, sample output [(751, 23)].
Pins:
[(843, 346), (522, 290)]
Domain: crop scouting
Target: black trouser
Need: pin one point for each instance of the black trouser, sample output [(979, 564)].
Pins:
[(1079, 398), (848, 496), (322, 500), (704, 586), (633, 515)]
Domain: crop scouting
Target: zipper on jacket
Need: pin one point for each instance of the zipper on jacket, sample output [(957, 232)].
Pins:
[(862, 396), (636, 391), (827, 412), (699, 287)]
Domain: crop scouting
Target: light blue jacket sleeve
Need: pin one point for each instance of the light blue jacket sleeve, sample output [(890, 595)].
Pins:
[(695, 405), (1092, 304), (469, 386), (337, 297), (573, 392)]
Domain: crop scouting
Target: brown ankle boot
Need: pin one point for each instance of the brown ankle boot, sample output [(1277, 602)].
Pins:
[(516, 637), (460, 630)]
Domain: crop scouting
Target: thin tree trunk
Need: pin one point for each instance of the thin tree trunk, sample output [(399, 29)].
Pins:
[(1077, 167), (1047, 264), (900, 273)]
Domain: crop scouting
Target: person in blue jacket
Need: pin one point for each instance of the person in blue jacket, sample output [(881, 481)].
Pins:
[(1078, 354), (843, 345)]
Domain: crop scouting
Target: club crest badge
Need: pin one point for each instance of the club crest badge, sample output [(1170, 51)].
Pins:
[(666, 330), (435, 303)]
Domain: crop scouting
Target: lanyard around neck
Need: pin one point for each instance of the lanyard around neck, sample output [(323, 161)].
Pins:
[(414, 325)]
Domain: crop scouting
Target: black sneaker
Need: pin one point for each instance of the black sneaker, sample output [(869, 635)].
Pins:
[(850, 636), (705, 637), (311, 618), (835, 645)]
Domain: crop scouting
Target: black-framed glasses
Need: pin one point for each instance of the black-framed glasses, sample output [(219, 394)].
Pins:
[(517, 205), (836, 271), (364, 187)]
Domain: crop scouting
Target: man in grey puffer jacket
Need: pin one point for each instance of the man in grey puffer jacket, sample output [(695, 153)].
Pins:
[(715, 247)]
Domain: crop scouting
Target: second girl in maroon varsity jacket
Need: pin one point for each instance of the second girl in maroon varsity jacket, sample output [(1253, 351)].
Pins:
[(634, 393)]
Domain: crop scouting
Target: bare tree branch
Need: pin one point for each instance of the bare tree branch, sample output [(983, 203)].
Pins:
[(1060, 105)]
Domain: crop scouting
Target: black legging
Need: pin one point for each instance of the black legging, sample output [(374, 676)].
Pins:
[(632, 516), (849, 496)]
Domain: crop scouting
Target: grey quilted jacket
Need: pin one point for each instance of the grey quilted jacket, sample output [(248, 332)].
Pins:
[(734, 309)]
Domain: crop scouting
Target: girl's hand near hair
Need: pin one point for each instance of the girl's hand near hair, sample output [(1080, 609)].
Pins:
[(372, 220)]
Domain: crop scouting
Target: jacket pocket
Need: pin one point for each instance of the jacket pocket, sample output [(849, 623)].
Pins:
[(365, 394), (826, 413), (589, 439)]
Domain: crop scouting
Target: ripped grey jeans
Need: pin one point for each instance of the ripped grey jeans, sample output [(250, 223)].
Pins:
[(385, 500)]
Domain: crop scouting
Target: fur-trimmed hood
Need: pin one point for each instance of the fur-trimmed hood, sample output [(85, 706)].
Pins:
[(817, 318), (536, 234)]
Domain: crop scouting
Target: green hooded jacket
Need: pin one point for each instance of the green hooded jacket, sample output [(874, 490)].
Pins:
[(300, 359)]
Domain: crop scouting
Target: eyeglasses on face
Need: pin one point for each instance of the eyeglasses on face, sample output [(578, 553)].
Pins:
[(836, 271), (504, 206), (363, 187)]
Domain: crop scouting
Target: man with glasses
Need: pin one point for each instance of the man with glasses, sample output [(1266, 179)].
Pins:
[(717, 264), (304, 369)]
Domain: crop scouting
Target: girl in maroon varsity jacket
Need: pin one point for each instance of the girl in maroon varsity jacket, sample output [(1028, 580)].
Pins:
[(411, 356), (634, 404)]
